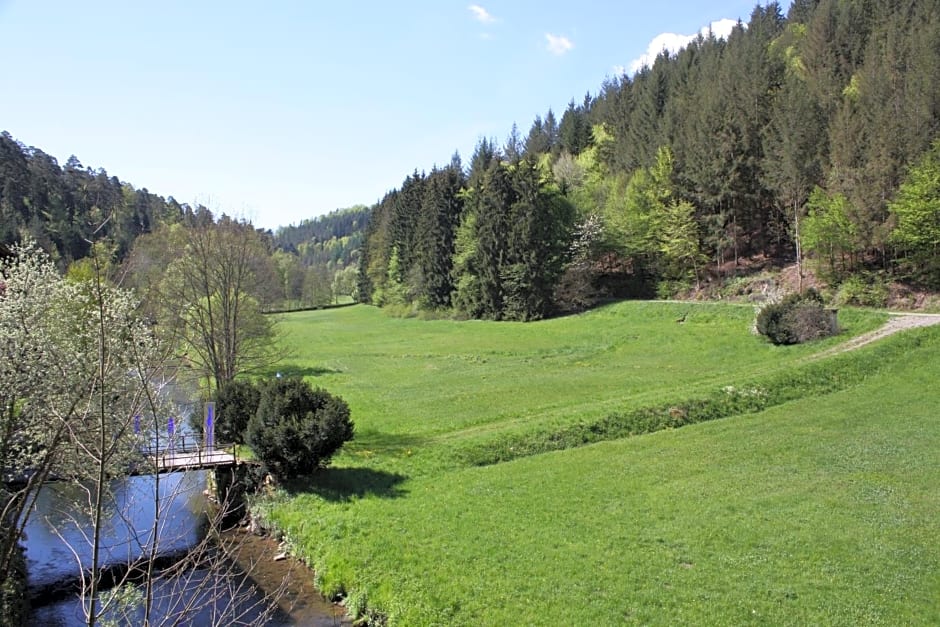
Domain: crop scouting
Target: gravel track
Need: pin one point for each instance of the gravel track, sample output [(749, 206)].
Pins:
[(897, 323)]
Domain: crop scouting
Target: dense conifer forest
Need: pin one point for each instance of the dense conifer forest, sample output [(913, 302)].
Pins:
[(808, 138), (809, 135)]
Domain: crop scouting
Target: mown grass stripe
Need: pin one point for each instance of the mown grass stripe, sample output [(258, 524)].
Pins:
[(753, 395)]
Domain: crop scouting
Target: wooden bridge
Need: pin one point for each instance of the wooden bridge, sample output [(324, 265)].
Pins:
[(190, 455)]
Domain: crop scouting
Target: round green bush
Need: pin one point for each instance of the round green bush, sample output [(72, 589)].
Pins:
[(235, 403), (796, 319), (297, 429)]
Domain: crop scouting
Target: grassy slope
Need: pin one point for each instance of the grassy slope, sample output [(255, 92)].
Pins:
[(419, 390), (818, 511)]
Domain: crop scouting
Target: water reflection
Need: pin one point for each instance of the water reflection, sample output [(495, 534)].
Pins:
[(199, 598), (57, 540), (58, 534)]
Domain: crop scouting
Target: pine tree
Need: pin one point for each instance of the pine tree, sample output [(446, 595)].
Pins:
[(550, 127), (574, 132), (493, 199), (403, 226), (441, 208), (483, 157), (794, 142), (14, 179), (514, 146), (376, 251), (537, 141)]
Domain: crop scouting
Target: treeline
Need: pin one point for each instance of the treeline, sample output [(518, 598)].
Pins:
[(490, 244), (65, 208), (73, 212), (805, 136), (799, 136)]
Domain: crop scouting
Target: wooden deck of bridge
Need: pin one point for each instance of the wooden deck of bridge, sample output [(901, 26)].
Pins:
[(175, 461), (178, 460)]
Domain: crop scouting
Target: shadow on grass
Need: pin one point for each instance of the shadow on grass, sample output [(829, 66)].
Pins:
[(343, 484), (304, 371), (380, 443)]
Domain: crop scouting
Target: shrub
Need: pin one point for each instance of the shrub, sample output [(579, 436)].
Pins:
[(667, 289), (864, 291), (797, 318), (235, 403), (297, 429), (14, 602)]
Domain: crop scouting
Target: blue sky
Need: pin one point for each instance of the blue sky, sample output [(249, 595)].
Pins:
[(284, 110)]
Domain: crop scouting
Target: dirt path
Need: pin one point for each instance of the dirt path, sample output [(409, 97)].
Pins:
[(898, 322)]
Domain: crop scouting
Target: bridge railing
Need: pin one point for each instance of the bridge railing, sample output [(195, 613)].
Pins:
[(185, 446)]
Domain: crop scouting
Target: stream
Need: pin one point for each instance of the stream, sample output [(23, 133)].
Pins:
[(57, 547)]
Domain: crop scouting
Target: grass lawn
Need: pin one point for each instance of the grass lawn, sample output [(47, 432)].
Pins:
[(818, 511), (422, 391)]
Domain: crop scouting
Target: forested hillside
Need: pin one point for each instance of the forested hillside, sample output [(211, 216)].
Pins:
[(332, 240), (68, 209), (809, 135), (64, 208), (806, 138), (318, 258)]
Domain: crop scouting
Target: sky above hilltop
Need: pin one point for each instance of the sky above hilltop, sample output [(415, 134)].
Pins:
[(285, 110)]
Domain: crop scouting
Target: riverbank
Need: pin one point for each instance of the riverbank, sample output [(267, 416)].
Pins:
[(286, 578)]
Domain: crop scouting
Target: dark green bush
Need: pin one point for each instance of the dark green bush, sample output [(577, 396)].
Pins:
[(796, 319), (297, 429), (14, 603), (235, 403)]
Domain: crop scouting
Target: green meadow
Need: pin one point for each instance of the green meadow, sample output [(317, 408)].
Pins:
[(535, 473)]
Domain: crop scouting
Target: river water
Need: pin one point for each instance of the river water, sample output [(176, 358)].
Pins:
[(57, 547)]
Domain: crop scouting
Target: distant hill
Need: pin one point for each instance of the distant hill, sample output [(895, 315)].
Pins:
[(63, 208), (334, 239)]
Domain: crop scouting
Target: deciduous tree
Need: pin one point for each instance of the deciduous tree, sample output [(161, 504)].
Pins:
[(80, 377), (917, 211), (212, 299)]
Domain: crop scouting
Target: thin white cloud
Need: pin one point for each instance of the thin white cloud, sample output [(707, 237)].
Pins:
[(673, 43), (480, 14), (558, 44)]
